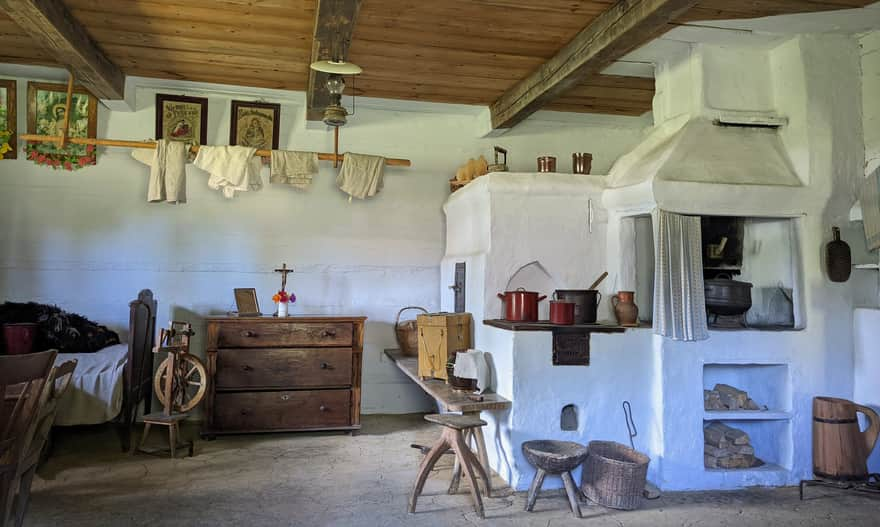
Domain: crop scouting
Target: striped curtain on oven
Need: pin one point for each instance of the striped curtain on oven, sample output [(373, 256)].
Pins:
[(679, 297), (870, 202)]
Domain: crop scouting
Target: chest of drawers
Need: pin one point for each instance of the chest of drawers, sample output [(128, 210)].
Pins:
[(283, 374)]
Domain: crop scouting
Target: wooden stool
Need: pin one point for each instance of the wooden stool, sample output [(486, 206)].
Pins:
[(452, 437), (554, 457), (173, 423)]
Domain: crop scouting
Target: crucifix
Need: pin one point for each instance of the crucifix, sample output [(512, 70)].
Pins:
[(284, 272)]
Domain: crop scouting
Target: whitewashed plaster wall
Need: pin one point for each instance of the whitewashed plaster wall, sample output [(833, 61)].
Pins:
[(88, 241)]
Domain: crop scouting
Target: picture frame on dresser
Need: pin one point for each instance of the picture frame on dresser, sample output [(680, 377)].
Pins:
[(271, 375), (246, 301)]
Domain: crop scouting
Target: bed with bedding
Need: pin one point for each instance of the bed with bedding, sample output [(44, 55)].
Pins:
[(111, 378)]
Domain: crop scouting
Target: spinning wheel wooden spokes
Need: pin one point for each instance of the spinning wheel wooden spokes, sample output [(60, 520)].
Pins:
[(189, 382)]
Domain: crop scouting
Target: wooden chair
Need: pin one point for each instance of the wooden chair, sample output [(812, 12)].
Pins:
[(41, 429), (22, 378), (454, 426), (174, 342)]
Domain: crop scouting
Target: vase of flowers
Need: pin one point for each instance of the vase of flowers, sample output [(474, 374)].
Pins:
[(283, 298)]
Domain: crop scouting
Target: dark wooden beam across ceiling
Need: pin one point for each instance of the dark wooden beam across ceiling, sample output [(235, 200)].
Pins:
[(50, 24), (334, 25), (614, 33)]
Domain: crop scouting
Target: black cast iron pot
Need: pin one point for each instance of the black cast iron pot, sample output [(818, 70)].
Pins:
[(725, 296)]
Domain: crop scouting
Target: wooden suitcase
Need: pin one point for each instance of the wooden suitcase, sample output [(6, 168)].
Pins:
[(441, 335)]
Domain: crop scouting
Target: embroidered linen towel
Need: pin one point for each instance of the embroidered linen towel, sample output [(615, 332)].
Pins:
[(167, 170), (361, 175), (232, 168), (293, 168), (869, 199)]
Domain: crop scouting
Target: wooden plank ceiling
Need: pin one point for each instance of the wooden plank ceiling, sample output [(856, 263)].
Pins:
[(456, 51)]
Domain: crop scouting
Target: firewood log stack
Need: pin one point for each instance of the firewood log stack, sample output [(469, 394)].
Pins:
[(726, 397), (727, 447)]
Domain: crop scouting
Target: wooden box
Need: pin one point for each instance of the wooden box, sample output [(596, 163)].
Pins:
[(441, 335), (283, 374)]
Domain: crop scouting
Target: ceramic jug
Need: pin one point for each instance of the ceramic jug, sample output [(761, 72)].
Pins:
[(625, 309)]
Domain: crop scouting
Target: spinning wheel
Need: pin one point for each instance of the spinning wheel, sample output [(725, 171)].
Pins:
[(189, 382), (180, 384)]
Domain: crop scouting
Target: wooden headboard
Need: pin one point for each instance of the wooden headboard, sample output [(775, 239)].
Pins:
[(138, 375)]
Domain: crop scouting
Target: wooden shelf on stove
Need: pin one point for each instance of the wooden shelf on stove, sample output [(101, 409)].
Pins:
[(545, 325)]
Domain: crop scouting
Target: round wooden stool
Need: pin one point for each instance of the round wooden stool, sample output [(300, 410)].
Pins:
[(452, 437), (554, 457)]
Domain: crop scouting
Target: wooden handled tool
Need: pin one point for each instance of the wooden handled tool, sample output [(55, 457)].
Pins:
[(598, 280)]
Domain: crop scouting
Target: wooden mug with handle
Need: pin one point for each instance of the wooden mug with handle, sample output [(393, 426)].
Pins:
[(840, 448)]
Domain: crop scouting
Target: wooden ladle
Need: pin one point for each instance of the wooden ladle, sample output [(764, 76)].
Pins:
[(598, 281)]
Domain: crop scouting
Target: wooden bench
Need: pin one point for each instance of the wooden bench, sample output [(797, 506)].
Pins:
[(450, 400)]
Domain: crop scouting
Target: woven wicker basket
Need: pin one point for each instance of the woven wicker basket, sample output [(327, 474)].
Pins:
[(407, 333), (614, 475)]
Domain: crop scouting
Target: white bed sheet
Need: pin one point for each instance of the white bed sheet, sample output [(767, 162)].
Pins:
[(95, 393)]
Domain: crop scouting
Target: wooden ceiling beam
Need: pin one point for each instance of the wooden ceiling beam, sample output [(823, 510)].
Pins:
[(622, 28), (49, 23), (334, 25)]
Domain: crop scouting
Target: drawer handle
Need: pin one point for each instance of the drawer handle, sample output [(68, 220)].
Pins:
[(244, 411), (323, 408), (324, 366), (285, 397), (328, 333), (247, 368), (248, 333)]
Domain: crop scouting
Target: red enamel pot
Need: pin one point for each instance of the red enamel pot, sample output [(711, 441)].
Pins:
[(561, 312), (521, 305)]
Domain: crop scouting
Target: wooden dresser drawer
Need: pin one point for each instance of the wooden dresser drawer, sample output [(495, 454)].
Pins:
[(282, 410), (285, 334), (283, 368)]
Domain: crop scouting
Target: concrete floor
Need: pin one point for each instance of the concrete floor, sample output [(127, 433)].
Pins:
[(337, 480)]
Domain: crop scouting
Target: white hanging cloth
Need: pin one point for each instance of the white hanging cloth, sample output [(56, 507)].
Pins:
[(361, 175), (232, 168), (167, 164), (293, 168), (679, 294)]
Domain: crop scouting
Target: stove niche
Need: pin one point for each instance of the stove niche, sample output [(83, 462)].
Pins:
[(760, 252)]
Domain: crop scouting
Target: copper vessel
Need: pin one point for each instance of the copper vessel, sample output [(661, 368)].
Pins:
[(581, 163), (546, 164)]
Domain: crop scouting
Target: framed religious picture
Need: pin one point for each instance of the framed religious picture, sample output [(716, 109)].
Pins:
[(246, 301), (255, 124), (46, 109), (181, 118), (8, 122)]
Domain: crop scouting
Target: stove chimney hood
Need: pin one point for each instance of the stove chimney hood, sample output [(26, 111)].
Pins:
[(709, 151), (718, 145)]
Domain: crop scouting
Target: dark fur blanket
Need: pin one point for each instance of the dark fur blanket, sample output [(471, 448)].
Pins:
[(58, 329)]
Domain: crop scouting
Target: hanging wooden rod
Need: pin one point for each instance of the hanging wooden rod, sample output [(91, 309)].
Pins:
[(390, 161)]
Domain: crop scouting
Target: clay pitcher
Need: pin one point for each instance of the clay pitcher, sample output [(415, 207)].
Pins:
[(625, 308), (840, 449)]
